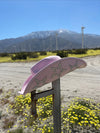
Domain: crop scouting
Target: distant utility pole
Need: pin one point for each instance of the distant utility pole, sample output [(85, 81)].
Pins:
[(56, 42), (51, 48), (82, 28)]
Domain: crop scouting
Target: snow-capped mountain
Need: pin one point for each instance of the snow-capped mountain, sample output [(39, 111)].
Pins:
[(46, 40), (44, 34)]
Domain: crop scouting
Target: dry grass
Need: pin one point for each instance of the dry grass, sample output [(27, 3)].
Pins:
[(9, 122)]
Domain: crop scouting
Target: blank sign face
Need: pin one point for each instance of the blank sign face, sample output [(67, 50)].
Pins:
[(50, 70)]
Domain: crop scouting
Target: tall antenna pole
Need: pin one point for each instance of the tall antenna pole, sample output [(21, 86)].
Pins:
[(82, 28), (56, 42)]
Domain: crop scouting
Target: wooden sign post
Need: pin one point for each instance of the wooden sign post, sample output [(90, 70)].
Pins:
[(56, 106), (48, 70)]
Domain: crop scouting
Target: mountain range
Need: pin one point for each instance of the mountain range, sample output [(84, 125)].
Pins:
[(49, 41)]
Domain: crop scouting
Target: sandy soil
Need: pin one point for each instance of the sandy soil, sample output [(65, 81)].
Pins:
[(83, 82)]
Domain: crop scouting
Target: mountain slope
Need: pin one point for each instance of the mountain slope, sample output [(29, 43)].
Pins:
[(47, 44), (47, 40)]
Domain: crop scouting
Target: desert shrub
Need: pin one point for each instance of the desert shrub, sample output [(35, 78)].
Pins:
[(82, 115), (96, 48), (20, 103), (32, 54), (45, 106), (4, 101), (19, 56), (55, 51), (43, 53), (70, 51), (19, 130), (80, 51), (8, 122), (4, 54), (13, 57), (21, 106), (62, 53)]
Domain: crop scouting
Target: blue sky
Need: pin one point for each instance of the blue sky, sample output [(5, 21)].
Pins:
[(20, 17)]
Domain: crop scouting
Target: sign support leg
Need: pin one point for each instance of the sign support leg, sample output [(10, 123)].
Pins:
[(33, 104), (56, 106)]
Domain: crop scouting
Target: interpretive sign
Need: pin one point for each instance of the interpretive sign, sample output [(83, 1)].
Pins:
[(50, 69)]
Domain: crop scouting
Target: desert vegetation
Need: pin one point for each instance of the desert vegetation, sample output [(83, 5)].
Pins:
[(32, 56), (80, 115)]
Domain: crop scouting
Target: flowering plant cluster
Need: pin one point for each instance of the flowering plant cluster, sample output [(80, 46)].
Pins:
[(81, 115)]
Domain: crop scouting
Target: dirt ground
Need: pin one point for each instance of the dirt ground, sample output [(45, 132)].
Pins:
[(83, 82)]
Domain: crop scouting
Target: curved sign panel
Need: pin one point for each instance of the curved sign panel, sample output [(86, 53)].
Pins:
[(50, 69)]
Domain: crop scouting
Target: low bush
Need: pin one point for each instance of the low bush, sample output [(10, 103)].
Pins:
[(24, 55), (19, 56), (70, 51), (55, 51), (82, 115), (43, 53), (4, 54), (96, 48), (62, 53), (9, 122), (80, 51), (4, 101), (33, 55), (19, 130)]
